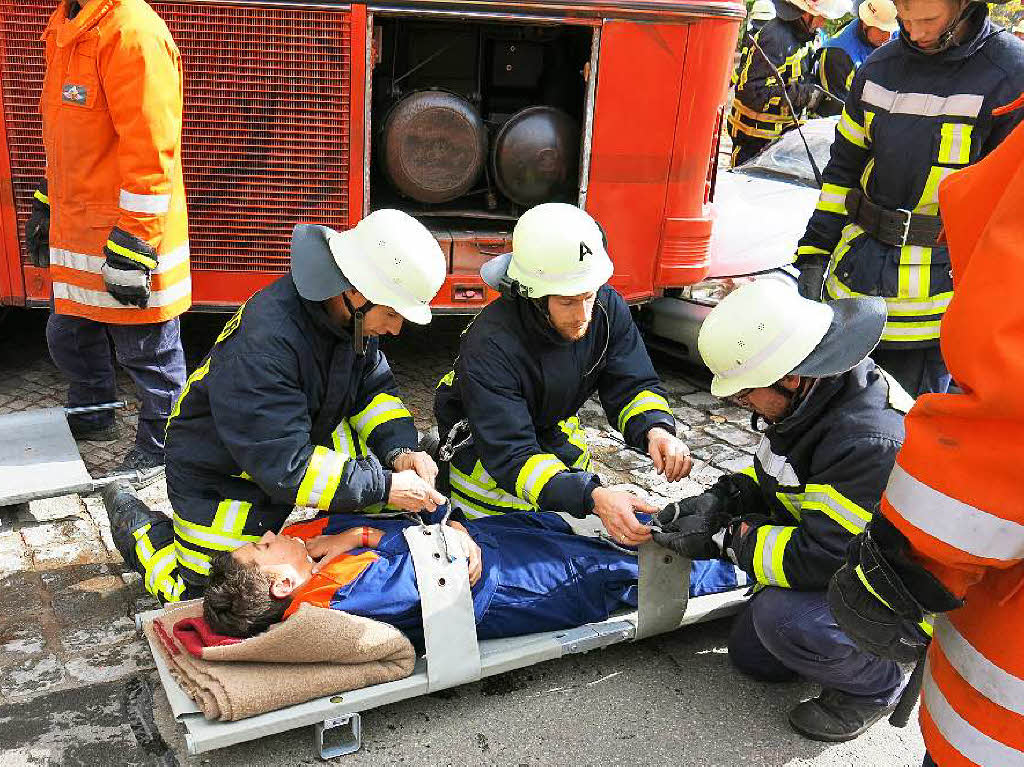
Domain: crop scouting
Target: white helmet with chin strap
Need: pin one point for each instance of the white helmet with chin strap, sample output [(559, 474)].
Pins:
[(829, 9), (557, 250), (764, 331)]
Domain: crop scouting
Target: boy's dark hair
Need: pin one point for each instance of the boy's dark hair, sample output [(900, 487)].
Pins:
[(237, 601)]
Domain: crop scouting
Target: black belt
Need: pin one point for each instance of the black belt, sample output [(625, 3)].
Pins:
[(893, 227)]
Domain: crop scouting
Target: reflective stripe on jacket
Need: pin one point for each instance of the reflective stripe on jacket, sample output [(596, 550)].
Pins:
[(911, 121), (111, 106), (957, 491), (521, 385), (759, 108), (819, 474), (281, 413)]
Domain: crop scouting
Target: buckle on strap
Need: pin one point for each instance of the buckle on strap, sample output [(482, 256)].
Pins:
[(905, 234)]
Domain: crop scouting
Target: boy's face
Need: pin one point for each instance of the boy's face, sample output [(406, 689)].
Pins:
[(274, 554)]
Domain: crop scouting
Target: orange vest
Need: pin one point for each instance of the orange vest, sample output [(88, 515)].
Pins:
[(957, 491), (111, 108)]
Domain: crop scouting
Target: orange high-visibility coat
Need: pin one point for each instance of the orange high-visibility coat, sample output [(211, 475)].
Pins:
[(957, 491), (111, 107)]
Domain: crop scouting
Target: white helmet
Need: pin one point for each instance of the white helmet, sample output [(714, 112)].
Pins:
[(880, 14), (762, 10), (764, 330), (830, 9), (393, 260), (557, 250)]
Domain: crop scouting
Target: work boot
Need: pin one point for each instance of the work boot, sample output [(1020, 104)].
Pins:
[(835, 716), (86, 431), (148, 468), (127, 513)]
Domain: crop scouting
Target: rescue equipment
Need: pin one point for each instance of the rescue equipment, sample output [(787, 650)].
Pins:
[(536, 155)]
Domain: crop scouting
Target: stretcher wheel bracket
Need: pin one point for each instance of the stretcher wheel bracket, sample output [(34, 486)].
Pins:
[(339, 736)]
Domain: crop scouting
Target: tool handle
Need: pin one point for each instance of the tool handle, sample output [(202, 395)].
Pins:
[(908, 698)]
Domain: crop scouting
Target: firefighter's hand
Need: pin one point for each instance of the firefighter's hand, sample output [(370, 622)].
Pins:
[(328, 547), (671, 457), (410, 492), (421, 463), (617, 511), (37, 228), (475, 555)]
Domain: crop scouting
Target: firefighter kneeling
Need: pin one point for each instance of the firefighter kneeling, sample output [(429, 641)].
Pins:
[(835, 423), (295, 405)]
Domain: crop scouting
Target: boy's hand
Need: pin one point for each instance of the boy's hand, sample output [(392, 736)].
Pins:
[(475, 555), (328, 547)]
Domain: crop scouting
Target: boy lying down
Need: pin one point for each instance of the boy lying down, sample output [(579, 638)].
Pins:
[(528, 571)]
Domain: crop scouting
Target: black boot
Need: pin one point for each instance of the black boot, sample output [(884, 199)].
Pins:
[(87, 431), (835, 716), (147, 468), (128, 513)]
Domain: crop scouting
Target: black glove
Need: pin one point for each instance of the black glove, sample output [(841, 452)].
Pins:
[(126, 271), (801, 95), (699, 527), (882, 599), (37, 228), (811, 282)]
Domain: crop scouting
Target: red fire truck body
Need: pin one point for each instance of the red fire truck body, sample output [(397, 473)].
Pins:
[(321, 112)]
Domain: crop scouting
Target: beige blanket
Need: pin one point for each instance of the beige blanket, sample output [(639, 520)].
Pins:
[(315, 652)]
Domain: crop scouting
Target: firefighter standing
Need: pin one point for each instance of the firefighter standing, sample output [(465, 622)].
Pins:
[(761, 12), (951, 528), (295, 405), (919, 110), (109, 219), (835, 423), (507, 413), (759, 111), (843, 54)]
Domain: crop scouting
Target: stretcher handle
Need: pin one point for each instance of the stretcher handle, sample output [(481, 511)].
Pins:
[(83, 409)]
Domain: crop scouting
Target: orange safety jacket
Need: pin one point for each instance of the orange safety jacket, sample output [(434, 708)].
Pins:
[(957, 491), (111, 108)]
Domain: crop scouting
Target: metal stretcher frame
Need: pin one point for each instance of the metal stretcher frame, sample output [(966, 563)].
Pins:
[(662, 606)]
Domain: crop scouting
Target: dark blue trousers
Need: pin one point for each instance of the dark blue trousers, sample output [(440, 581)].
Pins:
[(919, 371), (83, 351), (784, 634), (928, 761)]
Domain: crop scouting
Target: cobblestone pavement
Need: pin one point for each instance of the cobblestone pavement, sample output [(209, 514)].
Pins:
[(73, 672)]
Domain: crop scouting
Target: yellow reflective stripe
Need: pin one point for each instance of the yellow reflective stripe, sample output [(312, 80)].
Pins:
[(139, 258), (792, 502), (577, 437), (196, 561), (859, 571), (751, 472), (143, 547), (320, 482), (955, 143), (852, 130), (535, 474), (897, 306), (865, 177), (763, 117), (824, 71), (869, 119), (198, 375), (914, 272), (742, 127), (231, 325), (927, 624), (833, 199), (38, 194), (158, 566), (769, 551), (382, 408), (929, 202), (849, 82), (231, 516), (811, 250), (446, 380), (642, 403), (836, 506), (209, 537), (469, 507), (486, 493)]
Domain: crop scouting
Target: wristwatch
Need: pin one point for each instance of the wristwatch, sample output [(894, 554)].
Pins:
[(392, 456)]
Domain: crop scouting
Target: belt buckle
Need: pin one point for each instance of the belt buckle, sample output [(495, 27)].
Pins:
[(906, 226)]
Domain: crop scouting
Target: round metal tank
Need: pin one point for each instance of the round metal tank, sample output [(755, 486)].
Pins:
[(536, 155), (434, 146)]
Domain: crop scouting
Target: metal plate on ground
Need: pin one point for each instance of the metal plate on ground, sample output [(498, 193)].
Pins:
[(39, 457)]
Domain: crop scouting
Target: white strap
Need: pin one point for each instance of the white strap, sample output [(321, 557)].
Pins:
[(449, 623)]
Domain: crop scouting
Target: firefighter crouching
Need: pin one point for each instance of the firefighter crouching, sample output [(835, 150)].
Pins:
[(109, 220), (507, 413), (950, 535), (919, 110), (843, 54), (835, 423), (784, 47), (295, 405)]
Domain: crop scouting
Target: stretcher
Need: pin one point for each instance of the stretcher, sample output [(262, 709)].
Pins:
[(453, 654)]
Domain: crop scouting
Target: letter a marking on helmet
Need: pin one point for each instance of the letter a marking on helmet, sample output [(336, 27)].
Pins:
[(585, 250)]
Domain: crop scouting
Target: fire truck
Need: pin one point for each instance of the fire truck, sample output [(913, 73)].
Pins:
[(463, 113)]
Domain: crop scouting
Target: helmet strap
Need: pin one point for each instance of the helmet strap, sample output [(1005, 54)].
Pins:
[(355, 323)]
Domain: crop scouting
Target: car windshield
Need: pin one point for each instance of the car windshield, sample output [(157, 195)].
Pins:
[(787, 157)]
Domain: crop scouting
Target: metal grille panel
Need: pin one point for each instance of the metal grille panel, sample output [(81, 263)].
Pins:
[(266, 134)]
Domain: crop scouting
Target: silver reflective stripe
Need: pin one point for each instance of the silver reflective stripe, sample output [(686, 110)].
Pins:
[(770, 541), (996, 684), (143, 203), (776, 466), (954, 522), (856, 522), (102, 299), (467, 483), (126, 278), (197, 564), (924, 104), (231, 517), (213, 540), (330, 467), (156, 565), (83, 263), (368, 415), (975, 745)]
